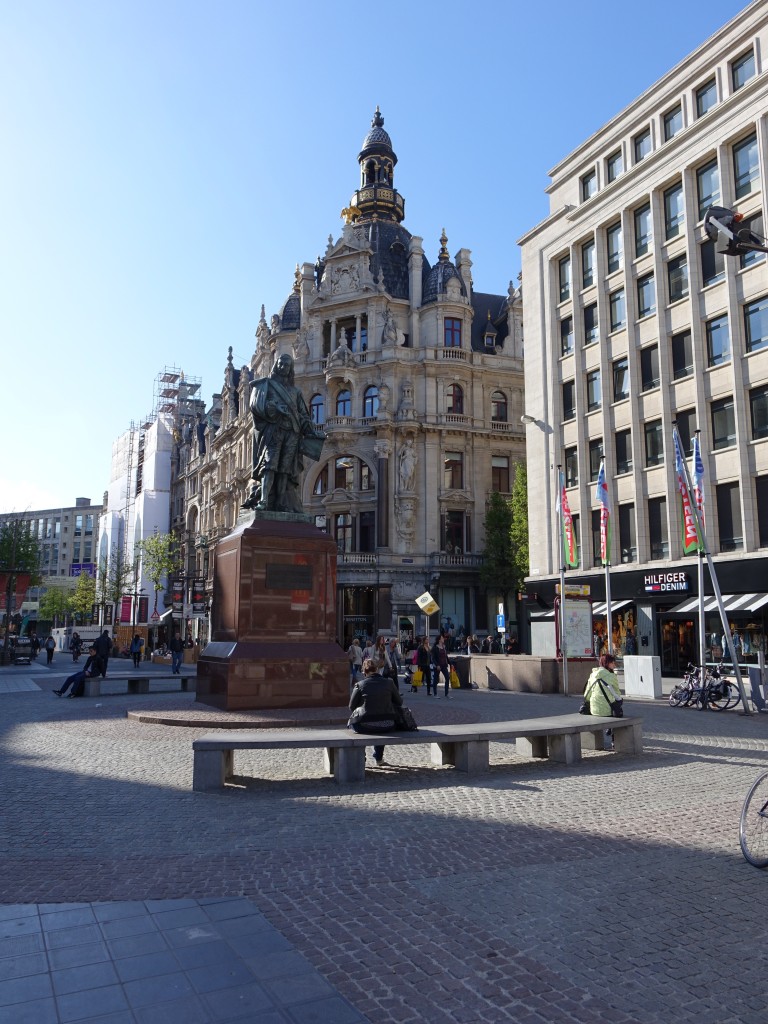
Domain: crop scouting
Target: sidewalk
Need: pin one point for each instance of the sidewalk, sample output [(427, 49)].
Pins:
[(421, 897)]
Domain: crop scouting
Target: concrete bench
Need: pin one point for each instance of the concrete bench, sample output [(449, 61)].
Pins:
[(135, 684), (465, 747)]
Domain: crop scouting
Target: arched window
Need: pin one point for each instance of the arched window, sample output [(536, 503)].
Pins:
[(456, 399), (343, 404), (321, 484), (499, 407), (371, 402), (317, 409)]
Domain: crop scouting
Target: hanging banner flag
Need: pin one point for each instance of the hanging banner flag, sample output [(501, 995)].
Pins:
[(601, 495), (570, 553), (698, 482), (690, 537)]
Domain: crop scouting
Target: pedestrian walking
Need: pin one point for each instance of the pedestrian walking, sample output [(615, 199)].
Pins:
[(50, 647), (440, 665), (103, 645), (355, 655), (136, 644), (177, 652), (424, 664)]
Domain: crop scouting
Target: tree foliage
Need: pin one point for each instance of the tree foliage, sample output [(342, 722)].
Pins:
[(505, 558), (56, 603), (519, 529), (160, 560), (84, 596), (19, 550)]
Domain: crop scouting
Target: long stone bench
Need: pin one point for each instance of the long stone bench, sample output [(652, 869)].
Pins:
[(465, 747), (135, 684)]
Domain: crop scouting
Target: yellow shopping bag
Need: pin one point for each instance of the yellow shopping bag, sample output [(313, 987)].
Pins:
[(454, 679), (417, 677)]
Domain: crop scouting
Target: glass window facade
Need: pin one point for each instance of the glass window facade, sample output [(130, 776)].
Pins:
[(500, 474), (756, 324), (370, 402), (588, 185), (624, 451), (657, 527), (588, 264), (706, 97), (674, 211), (452, 332), (453, 470), (673, 122), (746, 166), (343, 404), (564, 275), (595, 458), (646, 295), (742, 69), (723, 424), (643, 230), (569, 399), (641, 145), (618, 310), (590, 324), (615, 247), (686, 428), (499, 407), (620, 379), (677, 278), (566, 335), (571, 467), (712, 263), (614, 165), (654, 443), (594, 394), (754, 224), (627, 541), (718, 341), (728, 502), (649, 367), (708, 186), (758, 407)]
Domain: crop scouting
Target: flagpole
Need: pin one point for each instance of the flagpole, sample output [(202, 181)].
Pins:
[(702, 634), (605, 545), (560, 549), (713, 577)]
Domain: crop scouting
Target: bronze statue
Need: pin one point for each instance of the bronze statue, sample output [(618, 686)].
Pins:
[(284, 434)]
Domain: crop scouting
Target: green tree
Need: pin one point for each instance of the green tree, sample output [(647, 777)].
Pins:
[(56, 603), (498, 570), (519, 529), (160, 560), (19, 555), (84, 596), (113, 579)]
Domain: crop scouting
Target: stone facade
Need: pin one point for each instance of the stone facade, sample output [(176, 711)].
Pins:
[(417, 380)]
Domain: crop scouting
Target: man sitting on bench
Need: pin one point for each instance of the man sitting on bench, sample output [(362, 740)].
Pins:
[(374, 704), (93, 667)]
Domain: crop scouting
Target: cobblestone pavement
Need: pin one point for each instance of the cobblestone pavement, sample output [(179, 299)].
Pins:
[(610, 891)]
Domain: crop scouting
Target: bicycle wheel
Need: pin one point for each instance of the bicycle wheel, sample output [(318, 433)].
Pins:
[(753, 826), (677, 697), (718, 697)]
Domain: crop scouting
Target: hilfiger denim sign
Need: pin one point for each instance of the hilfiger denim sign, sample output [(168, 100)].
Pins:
[(657, 582)]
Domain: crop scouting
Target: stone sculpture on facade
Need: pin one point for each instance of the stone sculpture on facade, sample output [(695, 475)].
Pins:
[(389, 331), (284, 435), (408, 460)]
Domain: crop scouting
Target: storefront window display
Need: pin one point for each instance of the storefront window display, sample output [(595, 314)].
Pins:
[(622, 627)]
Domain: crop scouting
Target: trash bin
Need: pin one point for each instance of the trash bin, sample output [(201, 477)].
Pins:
[(461, 663), (642, 676)]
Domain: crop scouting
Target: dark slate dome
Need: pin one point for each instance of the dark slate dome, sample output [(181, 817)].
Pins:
[(290, 314), (437, 279), (377, 140), (389, 242)]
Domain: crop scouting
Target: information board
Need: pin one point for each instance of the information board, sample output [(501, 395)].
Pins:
[(578, 627)]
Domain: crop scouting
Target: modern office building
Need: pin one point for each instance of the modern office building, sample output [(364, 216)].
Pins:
[(417, 380), (634, 321)]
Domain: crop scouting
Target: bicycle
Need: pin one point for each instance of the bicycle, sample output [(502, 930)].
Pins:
[(753, 824), (715, 692)]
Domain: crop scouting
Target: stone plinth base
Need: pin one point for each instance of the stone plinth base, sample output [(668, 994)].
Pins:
[(273, 620), (527, 673)]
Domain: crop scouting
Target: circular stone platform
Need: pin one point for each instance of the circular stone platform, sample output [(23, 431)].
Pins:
[(201, 716)]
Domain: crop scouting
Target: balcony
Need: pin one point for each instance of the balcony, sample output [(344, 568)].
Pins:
[(458, 561), (357, 558), (340, 422), (452, 353), (500, 427)]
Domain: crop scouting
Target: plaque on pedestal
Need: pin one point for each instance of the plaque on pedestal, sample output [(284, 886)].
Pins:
[(274, 619)]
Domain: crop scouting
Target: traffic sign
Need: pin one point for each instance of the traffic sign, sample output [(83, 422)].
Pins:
[(427, 603)]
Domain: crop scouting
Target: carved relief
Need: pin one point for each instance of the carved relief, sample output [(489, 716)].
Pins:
[(405, 521), (345, 279)]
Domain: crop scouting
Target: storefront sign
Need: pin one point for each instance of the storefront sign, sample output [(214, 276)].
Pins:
[(574, 589), (662, 582)]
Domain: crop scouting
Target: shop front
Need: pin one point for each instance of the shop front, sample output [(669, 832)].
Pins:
[(746, 614)]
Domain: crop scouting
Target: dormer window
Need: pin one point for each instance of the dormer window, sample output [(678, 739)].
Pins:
[(490, 334)]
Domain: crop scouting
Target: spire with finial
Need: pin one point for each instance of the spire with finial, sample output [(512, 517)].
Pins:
[(377, 196), (443, 254), (297, 279)]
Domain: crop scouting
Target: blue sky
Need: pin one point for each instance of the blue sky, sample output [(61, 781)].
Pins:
[(166, 165)]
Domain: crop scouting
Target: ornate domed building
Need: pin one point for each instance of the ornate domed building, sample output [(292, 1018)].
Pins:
[(417, 380)]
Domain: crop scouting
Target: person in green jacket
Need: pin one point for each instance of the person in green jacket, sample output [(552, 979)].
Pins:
[(604, 673)]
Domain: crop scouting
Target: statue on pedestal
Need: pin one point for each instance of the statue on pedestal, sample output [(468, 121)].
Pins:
[(284, 434)]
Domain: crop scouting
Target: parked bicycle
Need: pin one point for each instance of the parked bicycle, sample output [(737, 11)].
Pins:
[(716, 691), (753, 825)]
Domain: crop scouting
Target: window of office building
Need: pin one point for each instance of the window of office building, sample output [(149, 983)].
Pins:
[(370, 402), (342, 531), (646, 295), (593, 390), (742, 69), (712, 263), (756, 324), (643, 230), (641, 145), (673, 122), (615, 248), (649, 367), (758, 406), (686, 428), (618, 306), (454, 532), (718, 341), (343, 404), (654, 443), (571, 468), (500, 474), (706, 97), (566, 335), (564, 273), (753, 224), (587, 264), (761, 495), (455, 400), (453, 470), (627, 542), (317, 409), (677, 276), (657, 527), (590, 324), (588, 185), (595, 458), (729, 517), (723, 424), (708, 186), (746, 166), (620, 379), (499, 407), (674, 211), (452, 332), (624, 451), (78, 525), (569, 399), (614, 165)]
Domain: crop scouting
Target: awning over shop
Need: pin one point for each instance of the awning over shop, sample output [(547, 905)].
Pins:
[(601, 607), (731, 602)]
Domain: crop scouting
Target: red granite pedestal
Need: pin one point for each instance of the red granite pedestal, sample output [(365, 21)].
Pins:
[(274, 619)]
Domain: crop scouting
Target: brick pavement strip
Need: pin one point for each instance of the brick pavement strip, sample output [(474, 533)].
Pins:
[(533, 893)]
